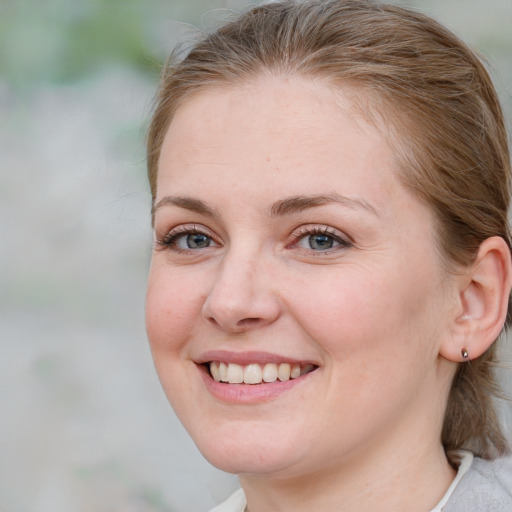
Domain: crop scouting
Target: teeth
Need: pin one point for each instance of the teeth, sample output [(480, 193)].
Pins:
[(223, 371), (270, 372), (215, 371), (252, 374), (256, 373), (295, 371), (283, 372), (235, 374)]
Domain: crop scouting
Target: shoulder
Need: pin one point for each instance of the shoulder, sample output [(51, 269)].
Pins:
[(487, 485), (235, 503)]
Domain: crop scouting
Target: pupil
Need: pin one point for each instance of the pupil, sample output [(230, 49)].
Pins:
[(321, 242), (197, 241)]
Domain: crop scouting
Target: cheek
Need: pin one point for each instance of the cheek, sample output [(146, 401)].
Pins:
[(376, 335), (340, 310), (172, 307), (362, 315)]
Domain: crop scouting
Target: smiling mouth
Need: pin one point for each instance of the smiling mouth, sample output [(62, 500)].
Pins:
[(232, 373)]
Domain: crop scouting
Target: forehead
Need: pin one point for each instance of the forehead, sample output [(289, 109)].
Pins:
[(241, 150), (293, 95), (288, 121)]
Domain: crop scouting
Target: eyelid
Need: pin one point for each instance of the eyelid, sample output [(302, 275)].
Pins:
[(314, 229), (165, 240)]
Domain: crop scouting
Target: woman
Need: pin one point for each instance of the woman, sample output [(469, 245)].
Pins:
[(332, 264)]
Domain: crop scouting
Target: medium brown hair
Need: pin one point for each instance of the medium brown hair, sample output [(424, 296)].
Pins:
[(437, 100)]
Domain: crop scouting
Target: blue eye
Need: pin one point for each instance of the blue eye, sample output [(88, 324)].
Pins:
[(320, 240), (192, 241), (184, 239)]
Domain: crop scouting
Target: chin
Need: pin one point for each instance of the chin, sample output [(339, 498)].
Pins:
[(247, 449), (249, 460)]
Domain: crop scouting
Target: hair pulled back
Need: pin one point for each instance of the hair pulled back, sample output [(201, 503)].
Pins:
[(440, 106)]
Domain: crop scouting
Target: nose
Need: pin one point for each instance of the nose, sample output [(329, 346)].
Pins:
[(242, 296)]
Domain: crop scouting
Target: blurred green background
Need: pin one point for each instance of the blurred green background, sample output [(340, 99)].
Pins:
[(84, 425)]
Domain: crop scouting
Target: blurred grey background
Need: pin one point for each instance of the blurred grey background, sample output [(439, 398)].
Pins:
[(84, 425)]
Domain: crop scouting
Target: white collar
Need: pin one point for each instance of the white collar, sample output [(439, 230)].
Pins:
[(465, 459)]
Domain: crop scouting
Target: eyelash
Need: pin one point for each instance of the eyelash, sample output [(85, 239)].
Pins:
[(168, 241), (308, 231)]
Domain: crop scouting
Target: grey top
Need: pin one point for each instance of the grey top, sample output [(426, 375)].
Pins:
[(485, 487)]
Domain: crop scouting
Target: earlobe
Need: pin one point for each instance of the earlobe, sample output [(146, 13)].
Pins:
[(483, 302)]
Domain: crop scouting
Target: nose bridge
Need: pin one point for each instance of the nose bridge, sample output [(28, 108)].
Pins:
[(238, 275), (241, 296)]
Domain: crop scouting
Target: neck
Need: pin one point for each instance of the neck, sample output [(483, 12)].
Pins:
[(396, 482)]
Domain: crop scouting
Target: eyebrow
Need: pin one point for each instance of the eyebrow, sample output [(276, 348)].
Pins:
[(188, 203), (283, 207), (298, 204)]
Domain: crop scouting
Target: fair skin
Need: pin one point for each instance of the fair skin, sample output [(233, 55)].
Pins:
[(283, 235)]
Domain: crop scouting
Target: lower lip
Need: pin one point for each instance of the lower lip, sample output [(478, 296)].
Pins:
[(248, 393)]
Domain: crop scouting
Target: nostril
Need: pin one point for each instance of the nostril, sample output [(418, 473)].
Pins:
[(248, 322)]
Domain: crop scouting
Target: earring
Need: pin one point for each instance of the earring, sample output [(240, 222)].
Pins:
[(465, 354)]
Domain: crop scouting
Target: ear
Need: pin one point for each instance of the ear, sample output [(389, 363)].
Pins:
[(484, 290)]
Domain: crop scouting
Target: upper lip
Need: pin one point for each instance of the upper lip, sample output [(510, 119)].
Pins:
[(245, 358)]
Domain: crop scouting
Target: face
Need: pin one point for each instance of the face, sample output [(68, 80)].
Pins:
[(296, 302)]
